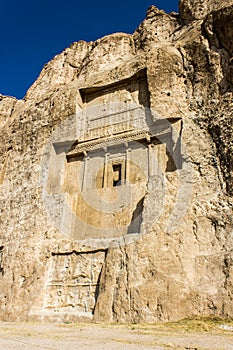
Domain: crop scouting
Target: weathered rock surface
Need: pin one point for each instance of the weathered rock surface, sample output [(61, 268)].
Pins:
[(179, 261), (197, 9)]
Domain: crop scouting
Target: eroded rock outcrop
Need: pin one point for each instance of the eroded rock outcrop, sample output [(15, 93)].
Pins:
[(198, 9), (116, 176)]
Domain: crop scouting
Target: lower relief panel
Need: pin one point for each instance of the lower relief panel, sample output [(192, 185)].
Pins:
[(72, 287)]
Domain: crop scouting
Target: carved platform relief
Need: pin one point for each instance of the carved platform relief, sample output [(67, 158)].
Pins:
[(118, 109), (73, 283)]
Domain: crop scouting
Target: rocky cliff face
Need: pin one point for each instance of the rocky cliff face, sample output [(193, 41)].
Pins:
[(178, 262)]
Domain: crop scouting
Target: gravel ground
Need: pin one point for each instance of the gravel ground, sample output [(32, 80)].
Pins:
[(35, 336)]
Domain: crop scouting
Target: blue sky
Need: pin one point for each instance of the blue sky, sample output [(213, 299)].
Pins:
[(33, 32)]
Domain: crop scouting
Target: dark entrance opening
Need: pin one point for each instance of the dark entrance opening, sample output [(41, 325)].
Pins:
[(117, 174)]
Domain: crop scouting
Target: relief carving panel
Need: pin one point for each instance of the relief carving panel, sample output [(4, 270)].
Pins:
[(73, 283)]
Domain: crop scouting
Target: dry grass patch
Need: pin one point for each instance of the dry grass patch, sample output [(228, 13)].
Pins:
[(195, 325)]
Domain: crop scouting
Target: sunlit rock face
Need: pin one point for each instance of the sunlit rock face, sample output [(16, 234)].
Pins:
[(116, 176), (197, 9)]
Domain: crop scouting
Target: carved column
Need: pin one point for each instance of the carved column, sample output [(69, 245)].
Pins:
[(85, 171), (127, 166), (151, 162), (105, 179)]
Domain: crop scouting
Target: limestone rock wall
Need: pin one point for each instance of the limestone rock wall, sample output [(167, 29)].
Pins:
[(182, 264), (197, 9)]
